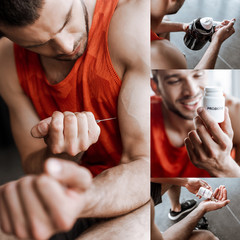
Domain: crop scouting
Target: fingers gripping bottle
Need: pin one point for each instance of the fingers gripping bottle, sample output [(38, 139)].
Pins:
[(214, 103), (200, 31)]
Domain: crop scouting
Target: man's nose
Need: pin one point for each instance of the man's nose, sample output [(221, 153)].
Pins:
[(190, 87), (64, 43)]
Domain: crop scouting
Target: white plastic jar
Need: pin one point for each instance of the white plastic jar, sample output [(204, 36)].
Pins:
[(214, 103), (205, 193)]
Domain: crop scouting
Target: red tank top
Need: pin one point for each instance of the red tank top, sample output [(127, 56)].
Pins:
[(92, 85), (154, 36), (167, 160)]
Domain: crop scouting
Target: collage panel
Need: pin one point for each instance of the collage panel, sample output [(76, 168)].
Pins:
[(194, 123), (195, 34), (74, 119), (217, 219)]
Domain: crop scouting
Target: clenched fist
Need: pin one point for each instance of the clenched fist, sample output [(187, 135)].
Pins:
[(68, 132)]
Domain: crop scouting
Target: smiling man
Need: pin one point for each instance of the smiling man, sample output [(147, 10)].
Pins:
[(64, 65), (176, 118)]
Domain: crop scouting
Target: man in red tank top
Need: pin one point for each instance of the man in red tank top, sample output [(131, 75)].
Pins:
[(173, 109), (73, 63)]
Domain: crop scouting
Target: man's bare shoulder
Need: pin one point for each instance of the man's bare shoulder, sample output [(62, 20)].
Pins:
[(129, 34), (6, 51), (233, 105), (164, 55), (9, 84)]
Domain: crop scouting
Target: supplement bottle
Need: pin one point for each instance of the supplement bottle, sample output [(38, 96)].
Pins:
[(214, 103), (205, 193), (200, 31)]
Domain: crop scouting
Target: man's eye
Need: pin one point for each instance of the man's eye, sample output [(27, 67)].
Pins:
[(173, 81), (198, 74)]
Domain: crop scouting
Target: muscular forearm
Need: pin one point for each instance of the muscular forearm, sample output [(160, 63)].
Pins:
[(173, 181), (164, 27), (183, 229), (34, 162), (118, 190), (229, 169), (209, 58)]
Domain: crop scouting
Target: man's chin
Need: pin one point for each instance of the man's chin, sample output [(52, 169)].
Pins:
[(185, 115)]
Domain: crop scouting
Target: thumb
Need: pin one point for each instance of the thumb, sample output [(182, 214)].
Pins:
[(68, 173), (41, 129)]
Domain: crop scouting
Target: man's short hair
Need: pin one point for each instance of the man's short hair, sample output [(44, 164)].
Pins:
[(155, 76), (19, 13)]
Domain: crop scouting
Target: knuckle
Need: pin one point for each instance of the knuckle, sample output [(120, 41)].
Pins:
[(191, 134), (6, 229), (83, 146), (23, 183), (57, 125), (71, 150), (42, 182), (64, 223), (70, 118), (89, 115), (213, 126), (57, 114), (37, 234), (200, 129), (8, 189), (224, 146), (231, 134), (56, 149), (211, 153), (82, 115), (20, 233)]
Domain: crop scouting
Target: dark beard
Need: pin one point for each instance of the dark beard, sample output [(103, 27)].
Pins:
[(171, 108)]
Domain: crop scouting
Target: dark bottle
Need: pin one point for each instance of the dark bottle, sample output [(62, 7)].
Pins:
[(200, 31)]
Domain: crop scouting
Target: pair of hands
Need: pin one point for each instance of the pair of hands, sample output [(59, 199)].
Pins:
[(220, 194), (38, 206), (68, 132), (209, 145)]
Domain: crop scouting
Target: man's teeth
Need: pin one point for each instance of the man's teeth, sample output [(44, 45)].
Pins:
[(191, 103)]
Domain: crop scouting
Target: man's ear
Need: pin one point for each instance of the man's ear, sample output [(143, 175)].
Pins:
[(155, 87)]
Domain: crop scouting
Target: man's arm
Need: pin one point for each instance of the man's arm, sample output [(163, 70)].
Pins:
[(168, 26), (22, 113), (192, 184), (126, 187), (209, 58), (233, 105), (183, 229)]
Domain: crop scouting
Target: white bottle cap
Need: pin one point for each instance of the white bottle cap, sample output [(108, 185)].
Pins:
[(206, 22), (213, 91)]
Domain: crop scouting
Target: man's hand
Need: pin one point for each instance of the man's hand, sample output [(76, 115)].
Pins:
[(36, 207), (68, 132), (224, 30), (220, 194), (210, 145), (193, 185), (186, 26)]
